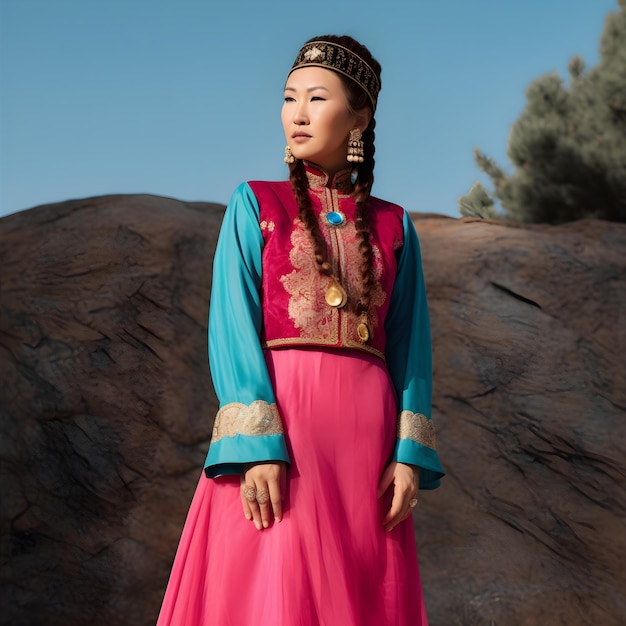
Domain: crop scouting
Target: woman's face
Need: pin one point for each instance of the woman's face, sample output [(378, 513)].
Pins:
[(317, 118)]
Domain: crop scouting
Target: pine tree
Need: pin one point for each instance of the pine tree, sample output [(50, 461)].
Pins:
[(568, 147), (477, 203)]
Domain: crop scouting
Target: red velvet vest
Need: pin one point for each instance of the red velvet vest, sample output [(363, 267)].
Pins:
[(295, 311)]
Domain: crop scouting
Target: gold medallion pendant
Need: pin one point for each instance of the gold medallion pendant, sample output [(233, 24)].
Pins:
[(335, 294)]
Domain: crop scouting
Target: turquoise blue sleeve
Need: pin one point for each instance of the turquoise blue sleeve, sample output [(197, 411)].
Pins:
[(409, 360), (247, 427)]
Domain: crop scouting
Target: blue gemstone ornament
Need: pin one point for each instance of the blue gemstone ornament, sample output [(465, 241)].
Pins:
[(334, 218)]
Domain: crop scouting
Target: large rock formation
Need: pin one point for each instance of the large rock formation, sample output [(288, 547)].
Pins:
[(106, 408), (529, 332), (106, 405)]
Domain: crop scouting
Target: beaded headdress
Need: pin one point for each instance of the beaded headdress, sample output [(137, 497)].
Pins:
[(340, 59)]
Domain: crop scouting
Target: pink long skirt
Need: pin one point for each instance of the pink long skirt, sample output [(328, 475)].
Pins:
[(330, 561)]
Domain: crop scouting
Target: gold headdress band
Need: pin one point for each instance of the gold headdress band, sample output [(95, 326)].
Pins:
[(336, 57)]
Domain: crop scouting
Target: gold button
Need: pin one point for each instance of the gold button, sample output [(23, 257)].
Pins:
[(363, 331)]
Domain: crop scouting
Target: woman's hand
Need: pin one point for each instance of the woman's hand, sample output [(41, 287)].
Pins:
[(260, 493), (405, 480)]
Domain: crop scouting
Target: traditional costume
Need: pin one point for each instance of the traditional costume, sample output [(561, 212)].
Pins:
[(301, 379)]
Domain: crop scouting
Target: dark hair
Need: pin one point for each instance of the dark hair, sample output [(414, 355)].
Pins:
[(358, 99)]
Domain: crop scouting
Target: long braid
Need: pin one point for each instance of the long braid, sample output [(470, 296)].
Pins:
[(300, 186), (361, 195)]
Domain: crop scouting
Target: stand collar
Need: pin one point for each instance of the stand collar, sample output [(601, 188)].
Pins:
[(318, 179)]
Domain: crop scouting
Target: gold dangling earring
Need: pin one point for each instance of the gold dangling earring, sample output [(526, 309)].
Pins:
[(356, 147), (289, 158)]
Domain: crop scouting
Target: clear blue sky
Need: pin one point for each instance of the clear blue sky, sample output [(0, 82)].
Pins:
[(182, 98)]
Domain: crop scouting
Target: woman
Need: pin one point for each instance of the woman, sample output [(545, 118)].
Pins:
[(319, 346)]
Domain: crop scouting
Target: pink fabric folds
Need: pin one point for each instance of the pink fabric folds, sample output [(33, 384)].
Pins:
[(329, 562)]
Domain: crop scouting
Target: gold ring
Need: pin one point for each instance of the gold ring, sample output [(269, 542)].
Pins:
[(249, 493), (413, 503)]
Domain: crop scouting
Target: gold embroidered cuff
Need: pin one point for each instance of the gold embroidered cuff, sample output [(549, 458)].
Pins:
[(417, 427), (258, 418)]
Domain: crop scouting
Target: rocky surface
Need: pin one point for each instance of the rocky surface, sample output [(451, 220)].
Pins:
[(529, 332), (106, 403), (106, 407)]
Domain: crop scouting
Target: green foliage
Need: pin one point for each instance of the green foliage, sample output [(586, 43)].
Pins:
[(568, 147), (477, 203)]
